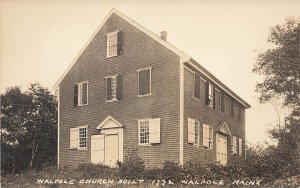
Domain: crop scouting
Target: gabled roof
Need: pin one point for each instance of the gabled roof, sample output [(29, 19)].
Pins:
[(223, 128), (183, 56), (138, 26), (109, 123)]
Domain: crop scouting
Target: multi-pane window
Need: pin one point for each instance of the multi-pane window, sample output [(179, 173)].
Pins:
[(210, 145), (144, 81), (78, 137), (193, 131), (149, 131), (197, 127), (209, 94), (81, 94), (144, 132), (113, 88), (82, 138), (233, 145), (240, 146), (114, 43), (207, 136)]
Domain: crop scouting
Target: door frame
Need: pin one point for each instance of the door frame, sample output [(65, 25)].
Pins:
[(111, 126), (225, 137), (105, 147)]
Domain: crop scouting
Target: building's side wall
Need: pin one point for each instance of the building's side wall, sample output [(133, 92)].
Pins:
[(139, 51), (196, 109)]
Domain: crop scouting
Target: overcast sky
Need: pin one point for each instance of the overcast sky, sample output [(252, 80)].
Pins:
[(39, 39)]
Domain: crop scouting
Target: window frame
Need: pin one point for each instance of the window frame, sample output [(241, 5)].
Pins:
[(194, 86), (197, 132), (210, 136), (193, 131), (114, 87), (80, 93), (115, 77), (240, 153), (234, 147), (154, 131), (86, 137), (150, 85), (108, 43), (78, 147), (139, 131), (210, 95)]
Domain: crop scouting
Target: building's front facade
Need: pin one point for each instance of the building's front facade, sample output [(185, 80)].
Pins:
[(128, 88)]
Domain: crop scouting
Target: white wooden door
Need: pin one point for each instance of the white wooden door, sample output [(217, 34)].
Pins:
[(221, 149), (112, 149), (97, 149)]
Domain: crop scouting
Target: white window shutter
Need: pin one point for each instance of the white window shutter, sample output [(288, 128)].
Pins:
[(74, 134), (205, 135), (154, 131), (97, 149), (240, 146), (191, 131)]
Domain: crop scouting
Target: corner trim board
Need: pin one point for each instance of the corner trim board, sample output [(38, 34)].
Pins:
[(181, 110), (58, 123)]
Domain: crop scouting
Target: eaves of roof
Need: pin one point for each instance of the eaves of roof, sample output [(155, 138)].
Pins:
[(217, 82)]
